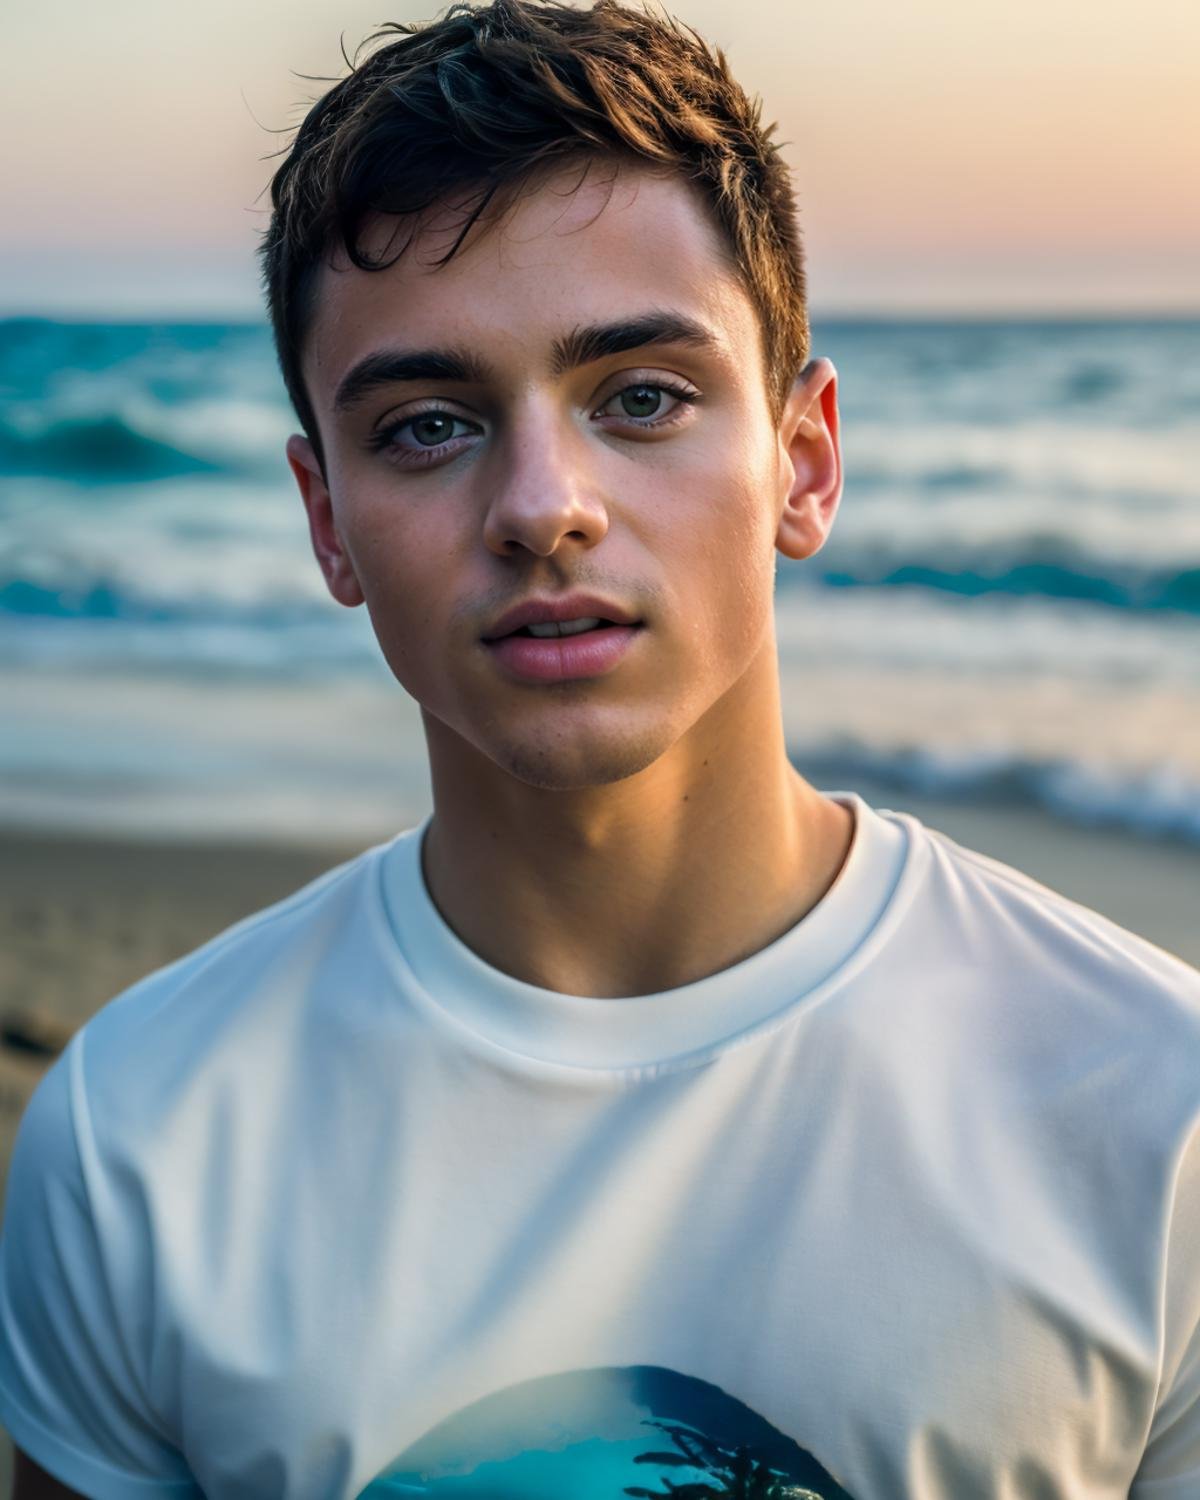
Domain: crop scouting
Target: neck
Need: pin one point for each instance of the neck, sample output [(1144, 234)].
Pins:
[(647, 883)]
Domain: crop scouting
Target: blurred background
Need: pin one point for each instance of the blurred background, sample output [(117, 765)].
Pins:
[(1003, 234)]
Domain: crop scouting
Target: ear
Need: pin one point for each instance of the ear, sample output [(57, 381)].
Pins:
[(811, 455), (335, 562)]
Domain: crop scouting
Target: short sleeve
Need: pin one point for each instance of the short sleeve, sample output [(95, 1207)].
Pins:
[(70, 1393), (1170, 1467)]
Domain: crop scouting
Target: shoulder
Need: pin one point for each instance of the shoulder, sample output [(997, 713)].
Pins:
[(189, 1068), (1063, 1001), (1032, 1020), (315, 910), (1000, 907), (228, 1005)]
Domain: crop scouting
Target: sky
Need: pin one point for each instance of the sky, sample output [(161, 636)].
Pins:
[(949, 156)]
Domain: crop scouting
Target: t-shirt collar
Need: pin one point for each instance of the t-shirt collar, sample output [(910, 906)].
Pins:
[(634, 1031)]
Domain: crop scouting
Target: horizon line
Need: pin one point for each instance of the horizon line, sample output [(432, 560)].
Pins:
[(867, 313)]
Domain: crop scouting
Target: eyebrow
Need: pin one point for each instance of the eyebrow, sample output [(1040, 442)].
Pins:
[(599, 340), (394, 366), (581, 346)]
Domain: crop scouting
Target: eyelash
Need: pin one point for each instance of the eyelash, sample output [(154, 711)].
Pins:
[(382, 441)]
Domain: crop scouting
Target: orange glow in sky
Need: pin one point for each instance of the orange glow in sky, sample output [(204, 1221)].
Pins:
[(948, 154)]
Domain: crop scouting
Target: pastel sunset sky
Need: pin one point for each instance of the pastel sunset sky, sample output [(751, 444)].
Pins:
[(950, 155)]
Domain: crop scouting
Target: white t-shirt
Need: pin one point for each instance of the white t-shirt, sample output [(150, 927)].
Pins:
[(907, 1204)]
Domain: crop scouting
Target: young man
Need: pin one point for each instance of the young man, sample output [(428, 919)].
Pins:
[(647, 1122)]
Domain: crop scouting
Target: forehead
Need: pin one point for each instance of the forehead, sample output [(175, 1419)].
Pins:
[(566, 253)]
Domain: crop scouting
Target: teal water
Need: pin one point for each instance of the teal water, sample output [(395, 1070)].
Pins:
[(1020, 527)]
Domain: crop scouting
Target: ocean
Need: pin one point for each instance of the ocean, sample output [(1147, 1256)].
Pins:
[(1008, 609)]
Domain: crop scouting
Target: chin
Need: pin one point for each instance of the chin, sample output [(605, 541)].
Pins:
[(563, 768)]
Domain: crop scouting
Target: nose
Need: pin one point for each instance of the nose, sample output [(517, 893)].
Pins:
[(545, 494)]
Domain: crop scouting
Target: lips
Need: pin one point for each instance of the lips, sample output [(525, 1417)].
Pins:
[(562, 610), (564, 658), (562, 639), (552, 629)]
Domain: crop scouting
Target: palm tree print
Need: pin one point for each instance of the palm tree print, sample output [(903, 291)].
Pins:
[(735, 1473)]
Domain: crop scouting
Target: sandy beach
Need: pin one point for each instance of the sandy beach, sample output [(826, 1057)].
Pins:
[(81, 919)]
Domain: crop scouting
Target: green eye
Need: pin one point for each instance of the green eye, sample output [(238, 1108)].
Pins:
[(641, 400), (433, 428)]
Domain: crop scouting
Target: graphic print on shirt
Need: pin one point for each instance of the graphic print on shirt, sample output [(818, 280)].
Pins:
[(602, 1434)]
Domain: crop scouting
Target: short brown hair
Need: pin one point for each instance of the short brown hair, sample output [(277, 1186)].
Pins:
[(488, 95)]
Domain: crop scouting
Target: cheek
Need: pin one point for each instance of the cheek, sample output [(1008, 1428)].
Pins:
[(730, 545), (395, 545), (397, 567)]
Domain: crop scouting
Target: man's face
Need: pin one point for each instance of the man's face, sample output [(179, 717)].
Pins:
[(573, 405)]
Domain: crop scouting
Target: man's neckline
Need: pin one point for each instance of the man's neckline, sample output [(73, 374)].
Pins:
[(502, 1014)]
